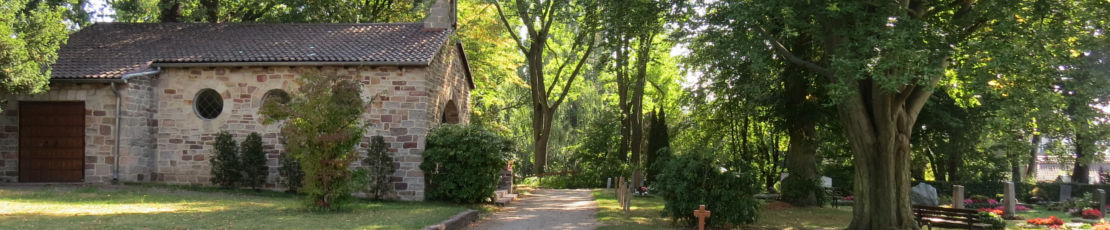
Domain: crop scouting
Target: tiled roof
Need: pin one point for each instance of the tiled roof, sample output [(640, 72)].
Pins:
[(110, 50)]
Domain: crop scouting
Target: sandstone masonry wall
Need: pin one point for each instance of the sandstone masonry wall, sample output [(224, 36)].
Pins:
[(100, 109)]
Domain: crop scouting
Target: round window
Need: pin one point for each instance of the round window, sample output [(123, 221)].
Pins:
[(208, 104), (276, 94)]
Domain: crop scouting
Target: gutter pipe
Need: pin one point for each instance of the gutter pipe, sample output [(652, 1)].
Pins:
[(119, 108)]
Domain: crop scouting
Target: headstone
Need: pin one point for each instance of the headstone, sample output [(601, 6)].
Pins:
[(1065, 192), (957, 196), (1009, 201), (826, 182), (1101, 201), (609, 183), (701, 214), (924, 194)]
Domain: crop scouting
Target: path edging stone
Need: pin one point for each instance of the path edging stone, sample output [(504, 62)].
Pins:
[(456, 222)]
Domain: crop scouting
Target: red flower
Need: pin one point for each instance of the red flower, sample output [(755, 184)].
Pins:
[(1092, 214)]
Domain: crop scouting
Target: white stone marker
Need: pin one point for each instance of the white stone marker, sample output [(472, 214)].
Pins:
[(1009, 201), (1101, 201), (957, 196)]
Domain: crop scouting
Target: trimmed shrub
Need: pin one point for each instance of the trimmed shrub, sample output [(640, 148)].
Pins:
[(379, 164), (697, 178), (225, 163), (291, 174), (253, 162), (462, 163)]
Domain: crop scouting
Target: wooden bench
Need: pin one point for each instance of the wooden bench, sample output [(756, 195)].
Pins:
[(958, 218), (835, 196)]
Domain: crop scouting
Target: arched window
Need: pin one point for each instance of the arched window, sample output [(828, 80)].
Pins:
[(208, 104), (450, 113), (281, 96)]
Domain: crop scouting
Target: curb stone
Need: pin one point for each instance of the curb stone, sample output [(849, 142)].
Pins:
[(456, 222)]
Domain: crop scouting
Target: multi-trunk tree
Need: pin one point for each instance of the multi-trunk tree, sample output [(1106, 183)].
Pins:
[(575, 24), (882, 61)]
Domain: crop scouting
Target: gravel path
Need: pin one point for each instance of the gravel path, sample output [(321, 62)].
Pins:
[(546, 209)]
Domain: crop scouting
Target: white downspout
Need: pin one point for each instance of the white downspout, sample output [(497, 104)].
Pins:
[(119, 116)]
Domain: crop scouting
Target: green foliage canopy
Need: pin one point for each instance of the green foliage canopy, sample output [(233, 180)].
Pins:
[(30, 35)]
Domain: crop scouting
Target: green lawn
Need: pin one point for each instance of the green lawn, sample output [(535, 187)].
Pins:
[(646, 214), (145, 207)]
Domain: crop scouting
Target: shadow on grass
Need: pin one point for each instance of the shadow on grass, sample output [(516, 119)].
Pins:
[(158, 208)]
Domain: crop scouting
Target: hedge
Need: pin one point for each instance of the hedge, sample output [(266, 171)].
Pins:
[(1048, 190)]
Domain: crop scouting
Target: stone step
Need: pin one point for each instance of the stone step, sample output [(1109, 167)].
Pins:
[(504, 200)]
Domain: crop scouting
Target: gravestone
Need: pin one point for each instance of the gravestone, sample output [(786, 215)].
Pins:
[(1101, 201), (826, 182), (701, 214), (1065, 192), (1009, 201), (957, 196), (924, 194), (609, 183)]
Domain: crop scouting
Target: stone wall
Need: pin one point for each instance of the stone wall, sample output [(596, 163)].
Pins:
[(184, 139), (164, 140)]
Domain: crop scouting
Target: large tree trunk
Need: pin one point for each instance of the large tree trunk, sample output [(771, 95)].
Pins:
[(643, 56), (955, 161), (878, 124), (540, 114), (1031, 164), (801, 154), (1081, 172)]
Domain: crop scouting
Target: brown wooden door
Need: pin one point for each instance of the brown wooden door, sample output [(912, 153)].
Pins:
[(51, 141)]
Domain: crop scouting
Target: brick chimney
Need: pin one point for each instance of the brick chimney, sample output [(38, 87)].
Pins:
[(441, 15)]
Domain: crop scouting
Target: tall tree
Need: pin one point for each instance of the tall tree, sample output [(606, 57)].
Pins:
[(32, 34), (882, 61), (789, 91), (541, 20), (630, 30)]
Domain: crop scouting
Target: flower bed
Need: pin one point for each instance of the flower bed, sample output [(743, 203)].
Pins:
[(1051, 221), (1091, 214)]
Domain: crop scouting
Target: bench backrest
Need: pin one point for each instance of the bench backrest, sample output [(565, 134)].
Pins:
[(962, 215)]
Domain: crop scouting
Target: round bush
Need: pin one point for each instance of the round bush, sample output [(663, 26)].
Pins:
[(697, 178), (462, 163)]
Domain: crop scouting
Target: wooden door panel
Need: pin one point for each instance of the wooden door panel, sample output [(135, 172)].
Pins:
[(51, 141)]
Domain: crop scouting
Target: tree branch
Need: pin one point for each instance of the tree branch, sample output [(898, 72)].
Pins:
[(781, 50), (509, 28), (574, 75)]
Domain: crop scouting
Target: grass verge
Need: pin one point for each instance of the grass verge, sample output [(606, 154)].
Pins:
[(155, 207), (645, 212)]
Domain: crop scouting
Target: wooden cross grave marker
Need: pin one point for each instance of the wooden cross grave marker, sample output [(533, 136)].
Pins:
[(701, 213)]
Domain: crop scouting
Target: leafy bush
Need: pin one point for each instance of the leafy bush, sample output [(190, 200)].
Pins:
[(225, 164), (697, 178), (253, 162), (291, 173), (462, 163), (993, 220), (379, 164), (322, 127)]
